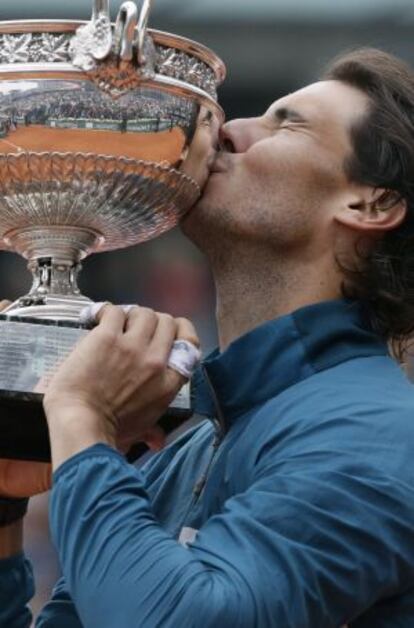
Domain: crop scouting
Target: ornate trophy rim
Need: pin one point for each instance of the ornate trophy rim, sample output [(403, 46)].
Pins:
[(164, 42), (163, 37)]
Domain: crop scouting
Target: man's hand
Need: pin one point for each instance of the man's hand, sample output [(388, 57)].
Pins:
[(19, 478), (116, 384)]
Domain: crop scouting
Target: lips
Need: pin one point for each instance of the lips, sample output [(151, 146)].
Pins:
[(220, 163), (217, 167)]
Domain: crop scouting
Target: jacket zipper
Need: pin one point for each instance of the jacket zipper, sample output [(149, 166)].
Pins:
[(219, 426), (220, 429)]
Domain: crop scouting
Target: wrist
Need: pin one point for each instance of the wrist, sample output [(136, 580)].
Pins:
[(12, 510), (11, 539), (74, 428), (62, 407)]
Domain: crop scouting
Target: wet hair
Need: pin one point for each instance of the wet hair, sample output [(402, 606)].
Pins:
[(383, 157)]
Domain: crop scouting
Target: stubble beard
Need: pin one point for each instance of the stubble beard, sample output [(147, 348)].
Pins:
[(211, 227)]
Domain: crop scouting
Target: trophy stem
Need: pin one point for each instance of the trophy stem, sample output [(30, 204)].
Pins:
[(52, 276), (54, 254)]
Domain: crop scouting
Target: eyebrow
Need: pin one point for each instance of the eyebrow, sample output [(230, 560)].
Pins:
[(286, 113)]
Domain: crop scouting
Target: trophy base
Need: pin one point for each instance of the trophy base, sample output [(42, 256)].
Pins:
[(30, 352)]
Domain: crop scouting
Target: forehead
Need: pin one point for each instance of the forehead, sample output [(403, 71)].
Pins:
[(328, 102)]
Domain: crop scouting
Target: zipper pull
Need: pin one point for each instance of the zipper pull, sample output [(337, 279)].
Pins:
[(199, 486)]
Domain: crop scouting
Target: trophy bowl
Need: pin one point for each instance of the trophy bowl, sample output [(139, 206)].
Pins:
[(106, 131)]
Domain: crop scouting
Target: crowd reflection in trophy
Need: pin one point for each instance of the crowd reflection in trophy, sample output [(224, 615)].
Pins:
[(70, 111)]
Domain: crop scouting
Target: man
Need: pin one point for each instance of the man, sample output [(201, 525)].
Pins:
[(293, 506)]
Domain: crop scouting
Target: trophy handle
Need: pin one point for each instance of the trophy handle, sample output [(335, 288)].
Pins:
[(142, 30), (131, 30), (100, 7), (125, 28)]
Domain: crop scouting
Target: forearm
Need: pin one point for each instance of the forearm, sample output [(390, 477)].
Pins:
[(11, 539), (16, 579), (120, 563), (17, 588), (72, 430)]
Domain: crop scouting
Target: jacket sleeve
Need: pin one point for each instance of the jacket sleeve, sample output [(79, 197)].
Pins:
[(296, 549), (60, 611), (16, 590)]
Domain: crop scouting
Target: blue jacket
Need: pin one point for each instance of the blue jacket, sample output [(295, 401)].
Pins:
[(301, 491)]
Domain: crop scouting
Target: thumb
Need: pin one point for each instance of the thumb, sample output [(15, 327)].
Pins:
[(4, 304), (155, 438), (187, 331)]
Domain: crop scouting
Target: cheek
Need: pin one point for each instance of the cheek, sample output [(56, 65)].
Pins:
[(295, 161), (274, 173), (290, 187)]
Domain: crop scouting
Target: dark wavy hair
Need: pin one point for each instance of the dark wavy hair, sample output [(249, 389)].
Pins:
[(383, 157)]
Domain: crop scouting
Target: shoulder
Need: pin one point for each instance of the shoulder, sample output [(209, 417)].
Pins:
[(358, 414)]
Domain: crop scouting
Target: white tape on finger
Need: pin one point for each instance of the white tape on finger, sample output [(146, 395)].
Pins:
[(88, 315), (184, 358), (128, 308)]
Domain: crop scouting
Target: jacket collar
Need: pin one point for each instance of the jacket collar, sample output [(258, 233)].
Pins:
[(280, 353)]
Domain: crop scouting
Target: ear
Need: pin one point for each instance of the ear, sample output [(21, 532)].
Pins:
[(373, 210)]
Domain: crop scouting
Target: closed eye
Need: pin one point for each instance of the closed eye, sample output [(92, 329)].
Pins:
[(285, 114)]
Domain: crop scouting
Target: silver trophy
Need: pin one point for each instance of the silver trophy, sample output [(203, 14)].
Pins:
[(105, 134)]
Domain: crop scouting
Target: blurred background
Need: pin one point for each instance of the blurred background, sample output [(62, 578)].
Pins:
[(271, 47)]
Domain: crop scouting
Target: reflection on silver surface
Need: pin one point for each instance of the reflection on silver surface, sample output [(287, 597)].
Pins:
[(131, 188), (124, 201), (54, 47), (105, 137)]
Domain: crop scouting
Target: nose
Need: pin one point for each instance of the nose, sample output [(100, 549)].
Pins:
[(237, 136)]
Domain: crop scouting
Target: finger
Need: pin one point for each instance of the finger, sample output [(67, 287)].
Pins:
[(187, 331), (110, 318), (163, 339), (140, 326), (88, 315), (155, 438), (184, 358), (128, 308), (4, 304), (185, 355), (23, 479)]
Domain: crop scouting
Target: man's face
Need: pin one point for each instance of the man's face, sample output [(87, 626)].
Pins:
[(280, 177)]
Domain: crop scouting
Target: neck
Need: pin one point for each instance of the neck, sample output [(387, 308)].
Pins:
[(255, 286)]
